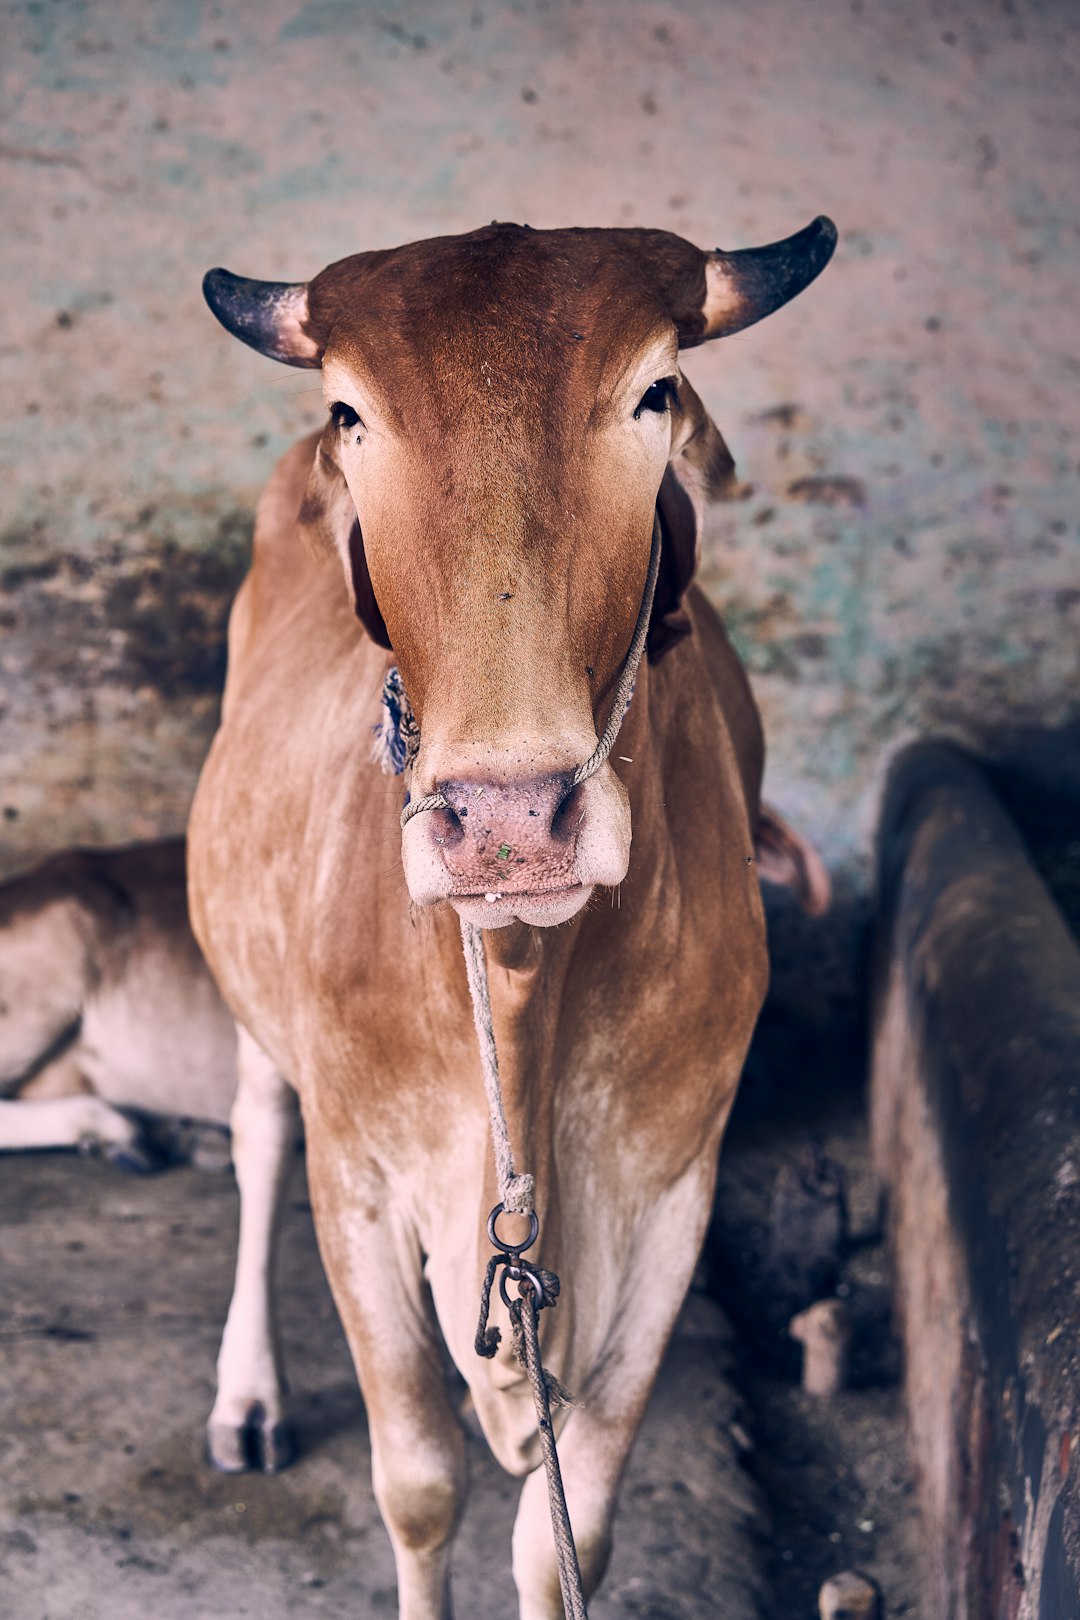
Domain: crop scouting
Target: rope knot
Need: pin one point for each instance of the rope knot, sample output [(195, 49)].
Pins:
[(537, 1288), (557, 1393), (518, 1195)]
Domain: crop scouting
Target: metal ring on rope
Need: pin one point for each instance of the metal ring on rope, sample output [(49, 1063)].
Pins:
[(500, 1243)]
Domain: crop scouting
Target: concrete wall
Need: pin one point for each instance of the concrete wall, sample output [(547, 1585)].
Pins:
[(907, 555)]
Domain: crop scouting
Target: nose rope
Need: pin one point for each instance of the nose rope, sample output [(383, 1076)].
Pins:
[(619, 703), (516, 1191)]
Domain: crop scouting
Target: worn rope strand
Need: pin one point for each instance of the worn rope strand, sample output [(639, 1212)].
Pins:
[(623, 691), (573, 1591), (515, 1192)]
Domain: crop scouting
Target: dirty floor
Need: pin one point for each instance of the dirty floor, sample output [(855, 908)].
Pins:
[(743, 1494), (836, 1473), (112, 1295)]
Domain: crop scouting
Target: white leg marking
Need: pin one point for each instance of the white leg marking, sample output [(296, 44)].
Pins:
[(247, 1425), (62, 1122), (596, 1439), (375, 1268)]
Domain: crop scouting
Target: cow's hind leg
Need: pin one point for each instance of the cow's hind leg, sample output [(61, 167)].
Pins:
[(247, 1427), (375, 1267), (596, 1438)]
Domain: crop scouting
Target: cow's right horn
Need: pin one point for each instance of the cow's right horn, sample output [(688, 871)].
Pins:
[(271, 316), (745, 286)]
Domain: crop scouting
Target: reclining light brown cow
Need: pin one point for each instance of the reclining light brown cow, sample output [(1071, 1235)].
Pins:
[(506, 412), (106, 1005)]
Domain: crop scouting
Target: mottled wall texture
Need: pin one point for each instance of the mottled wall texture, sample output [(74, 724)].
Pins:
[(904, 553)]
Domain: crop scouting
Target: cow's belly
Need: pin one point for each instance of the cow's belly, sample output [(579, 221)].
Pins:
[(173, 1053)]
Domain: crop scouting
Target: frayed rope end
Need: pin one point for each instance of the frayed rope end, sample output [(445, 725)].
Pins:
[(518, 1196)]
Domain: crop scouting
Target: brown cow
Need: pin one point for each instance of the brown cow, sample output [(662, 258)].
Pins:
[(506, 413)]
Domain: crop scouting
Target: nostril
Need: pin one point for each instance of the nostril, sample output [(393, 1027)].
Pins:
[(569, 814), (446, 824)]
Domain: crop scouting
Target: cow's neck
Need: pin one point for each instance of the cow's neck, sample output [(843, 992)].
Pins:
[(528, 967)]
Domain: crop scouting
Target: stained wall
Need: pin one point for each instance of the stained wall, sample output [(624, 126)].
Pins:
[(904, 555)]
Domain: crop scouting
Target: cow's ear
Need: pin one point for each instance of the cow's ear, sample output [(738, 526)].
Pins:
[(271, 316), (328, 523), (785, 857), (701, 469)]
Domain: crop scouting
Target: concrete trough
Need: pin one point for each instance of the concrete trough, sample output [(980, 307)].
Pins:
[(975, 1100)]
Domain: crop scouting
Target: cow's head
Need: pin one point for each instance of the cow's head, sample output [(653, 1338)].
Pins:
[(504, 408)]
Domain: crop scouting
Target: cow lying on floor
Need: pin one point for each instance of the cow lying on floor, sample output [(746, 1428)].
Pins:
[(106, 1005)]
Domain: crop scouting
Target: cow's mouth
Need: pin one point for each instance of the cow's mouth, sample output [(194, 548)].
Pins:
[(542, 908)]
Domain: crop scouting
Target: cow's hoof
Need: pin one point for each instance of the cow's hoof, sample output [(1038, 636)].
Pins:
[(136, 1158), (121, 1142), (253, 1446), (194, 1142)]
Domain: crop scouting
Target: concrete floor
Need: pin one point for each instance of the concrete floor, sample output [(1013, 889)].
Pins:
[(113, 1293)]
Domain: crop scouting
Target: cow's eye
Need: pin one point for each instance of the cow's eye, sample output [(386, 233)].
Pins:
[(657, 396), (343, 416)]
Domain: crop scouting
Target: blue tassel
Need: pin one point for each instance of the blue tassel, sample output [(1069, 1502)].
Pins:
[(397, 735)]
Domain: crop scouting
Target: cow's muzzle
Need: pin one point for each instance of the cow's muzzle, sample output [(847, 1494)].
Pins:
[(530, 850)]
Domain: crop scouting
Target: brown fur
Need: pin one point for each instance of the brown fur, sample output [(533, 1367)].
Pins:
[(505, 498)]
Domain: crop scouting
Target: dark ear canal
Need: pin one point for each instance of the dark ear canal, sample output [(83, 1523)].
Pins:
[(678, 557), (367, 609)]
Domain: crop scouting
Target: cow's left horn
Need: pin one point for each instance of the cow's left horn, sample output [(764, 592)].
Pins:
[(270, 315), (744, 287)]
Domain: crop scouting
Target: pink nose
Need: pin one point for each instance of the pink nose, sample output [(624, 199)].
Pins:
[(509, 837)]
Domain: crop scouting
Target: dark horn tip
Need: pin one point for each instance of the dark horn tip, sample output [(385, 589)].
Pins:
[(215, 284), (826, 232)]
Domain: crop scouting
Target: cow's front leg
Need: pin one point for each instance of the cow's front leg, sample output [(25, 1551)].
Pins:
[(595, 1441), (247, 1427), (58, 1108), (83, 1121), (375, 1267)]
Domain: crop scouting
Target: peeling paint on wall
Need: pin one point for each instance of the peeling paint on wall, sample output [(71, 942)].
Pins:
[(905, 554)]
